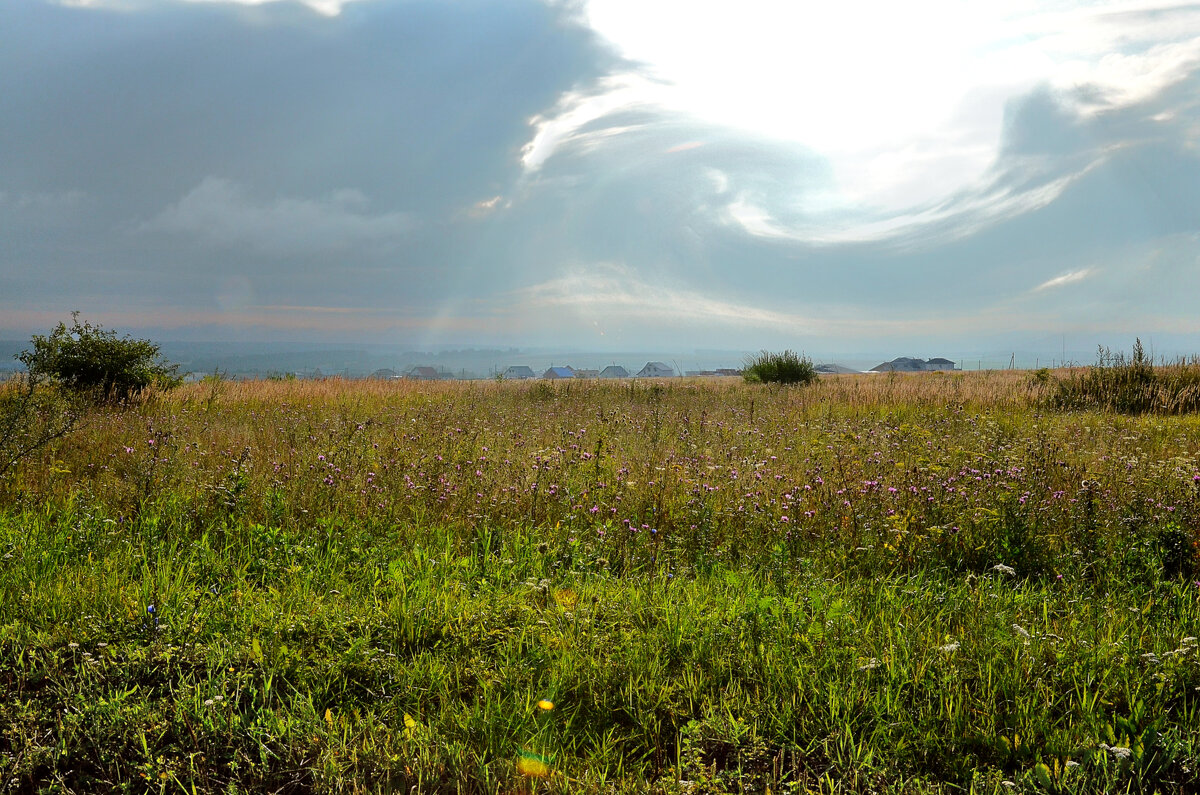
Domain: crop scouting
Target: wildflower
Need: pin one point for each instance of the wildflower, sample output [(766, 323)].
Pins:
[(545, 704), (1120, 751), (869, 665), (1020, 630), (949, 647), (1005, 570)]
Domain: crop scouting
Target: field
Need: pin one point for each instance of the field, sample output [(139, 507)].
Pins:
[(925, 583)]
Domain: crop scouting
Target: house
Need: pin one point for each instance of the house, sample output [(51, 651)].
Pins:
[(383, 374), (423, 374), (904, 364), (518, 372), (656, 370), (587, 373), (554, 373), (614, 371)]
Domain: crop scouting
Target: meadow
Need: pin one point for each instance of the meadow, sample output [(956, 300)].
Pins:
[(941, 582)]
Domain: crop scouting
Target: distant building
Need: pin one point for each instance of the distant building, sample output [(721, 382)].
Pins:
[(383, 374), (554, 373), (587, 373), (423, 374), (729, 371), (905, 364), (614, 371), (518, 372), (656, 370)]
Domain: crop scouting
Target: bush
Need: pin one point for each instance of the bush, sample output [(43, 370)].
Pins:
[(92, 361), (779, 368)]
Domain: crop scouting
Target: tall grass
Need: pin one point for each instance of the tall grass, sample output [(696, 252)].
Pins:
[(1133, 385), (910, 583)]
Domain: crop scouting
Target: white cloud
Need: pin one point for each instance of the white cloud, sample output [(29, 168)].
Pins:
[(1070, 277), (220, 212), (42, 201), (329, 8), (575, 109), (608, 292), (956, 218), (906, 101)]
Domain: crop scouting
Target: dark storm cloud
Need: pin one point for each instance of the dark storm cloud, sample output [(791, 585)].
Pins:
[(273, 133)]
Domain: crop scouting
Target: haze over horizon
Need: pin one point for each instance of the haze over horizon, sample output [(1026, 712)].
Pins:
[(607, 175)]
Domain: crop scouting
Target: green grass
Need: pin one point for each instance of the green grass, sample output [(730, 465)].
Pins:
[(359, 590)]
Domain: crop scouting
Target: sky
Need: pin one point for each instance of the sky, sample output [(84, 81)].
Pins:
[(923, 178)]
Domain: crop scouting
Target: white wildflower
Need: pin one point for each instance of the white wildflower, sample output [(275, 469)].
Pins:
[(1005, 570), (208, 702), (949, 647), (869, 665), (1020, 630), (1120, 751), (1072, 763)]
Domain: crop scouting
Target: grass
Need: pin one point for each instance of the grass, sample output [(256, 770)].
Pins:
[(1132, 385), (925, 583)]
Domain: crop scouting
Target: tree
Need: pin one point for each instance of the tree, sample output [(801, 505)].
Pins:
[(93, 361)]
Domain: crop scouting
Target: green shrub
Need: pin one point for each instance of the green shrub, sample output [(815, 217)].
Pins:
[(92, 361), (779, 368)]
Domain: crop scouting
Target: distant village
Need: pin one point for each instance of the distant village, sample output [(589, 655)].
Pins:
[(524, 372)]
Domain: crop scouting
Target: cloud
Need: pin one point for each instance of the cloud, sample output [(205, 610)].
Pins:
[(907, 110), (1066, 278), (41, 201), (612, 292), (220, 212), (329, 8)]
